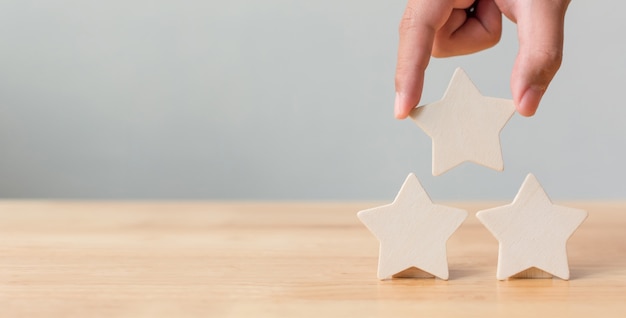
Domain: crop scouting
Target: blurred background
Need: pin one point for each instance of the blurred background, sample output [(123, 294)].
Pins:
[(279, 100)]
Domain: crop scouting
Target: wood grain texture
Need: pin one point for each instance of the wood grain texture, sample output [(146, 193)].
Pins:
[(90, 259)]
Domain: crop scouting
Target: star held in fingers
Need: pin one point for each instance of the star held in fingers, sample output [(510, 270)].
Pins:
[(532, 232), (412, 232), (464, 125)]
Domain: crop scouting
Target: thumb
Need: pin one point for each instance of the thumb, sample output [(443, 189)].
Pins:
[(540, 32)]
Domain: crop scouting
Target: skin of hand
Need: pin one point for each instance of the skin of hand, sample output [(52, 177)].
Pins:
[(442, 28)]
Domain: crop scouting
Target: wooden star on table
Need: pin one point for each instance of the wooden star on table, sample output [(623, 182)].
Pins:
[(464, 125), (412, 232), (532, 233)]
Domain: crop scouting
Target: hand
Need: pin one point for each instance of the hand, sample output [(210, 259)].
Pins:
[(442, 28)]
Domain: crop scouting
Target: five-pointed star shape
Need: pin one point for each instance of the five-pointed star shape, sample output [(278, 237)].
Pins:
[(532, 232), (464, 125), (412, 231)]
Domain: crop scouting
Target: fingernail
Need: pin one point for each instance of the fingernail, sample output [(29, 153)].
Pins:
[(530, 101), (397, 105)]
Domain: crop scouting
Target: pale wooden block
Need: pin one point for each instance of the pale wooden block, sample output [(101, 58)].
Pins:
[(413, 233), (532, 233), (464, 126)]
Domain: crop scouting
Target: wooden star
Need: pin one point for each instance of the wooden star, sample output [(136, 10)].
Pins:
[(464, 125), (412, 232), (532, 233)]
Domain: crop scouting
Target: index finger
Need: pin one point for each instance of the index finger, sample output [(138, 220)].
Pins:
[(420, 22)]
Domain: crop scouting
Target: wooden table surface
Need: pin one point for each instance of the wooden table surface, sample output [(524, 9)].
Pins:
[(181, 259)]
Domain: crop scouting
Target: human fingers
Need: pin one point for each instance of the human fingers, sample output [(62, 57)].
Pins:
[(465, 34), (540, 32), (420, 22)]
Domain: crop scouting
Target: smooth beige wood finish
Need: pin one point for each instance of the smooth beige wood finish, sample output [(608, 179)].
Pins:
[(532, 232), (464, 125), (412, 232), (290, 260)]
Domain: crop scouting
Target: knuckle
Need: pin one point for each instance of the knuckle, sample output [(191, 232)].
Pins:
[(544, 64), (413, 19), (408, 21), (550, 59)]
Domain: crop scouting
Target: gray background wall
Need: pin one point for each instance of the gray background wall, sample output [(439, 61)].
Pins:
[(271, 99)]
